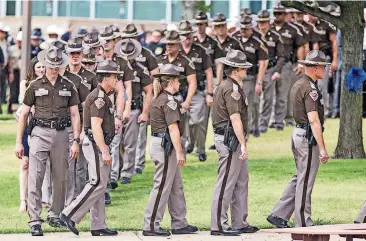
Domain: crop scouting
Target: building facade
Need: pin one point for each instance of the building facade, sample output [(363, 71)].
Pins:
[(150, 10)]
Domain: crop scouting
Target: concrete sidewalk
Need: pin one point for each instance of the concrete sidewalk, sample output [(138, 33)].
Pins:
[(137, 236)]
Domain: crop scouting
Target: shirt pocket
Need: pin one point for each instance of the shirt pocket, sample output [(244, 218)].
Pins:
[(42, 97), (63, 98)]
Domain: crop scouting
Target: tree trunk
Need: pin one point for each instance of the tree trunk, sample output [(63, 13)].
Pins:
[(350, 143), (190, 8)]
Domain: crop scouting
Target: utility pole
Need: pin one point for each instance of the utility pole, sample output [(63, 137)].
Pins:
[(26, 29)]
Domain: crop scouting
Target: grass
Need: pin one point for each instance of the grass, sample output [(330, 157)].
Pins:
[(338, 194)]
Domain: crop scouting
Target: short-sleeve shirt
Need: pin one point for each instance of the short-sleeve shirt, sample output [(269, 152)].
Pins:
[(51, 101), (324, 30), (147, 59), (166, 110), (124, 67), (229, 98), (98, 104), (255, 50), (309, 30), (230, 44), (212, 46), (184, 65), (306, 97), (141, 79)]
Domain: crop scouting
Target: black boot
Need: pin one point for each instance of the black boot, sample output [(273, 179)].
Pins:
[(69, 223), (277, 221), (186, 230), (36, 230)]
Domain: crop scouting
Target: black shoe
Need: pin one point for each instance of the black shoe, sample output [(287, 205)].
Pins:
[(69, 223), (55, 222), (187, 230), (36, 230), (107, 199), (213, 147), (159, 232), (278, 222), (248, 229), (228, 232), (138, 171), (190, 149), (114, 184), (273, 125), (125, 180), (104, 232), (202, 157), (256, 133)]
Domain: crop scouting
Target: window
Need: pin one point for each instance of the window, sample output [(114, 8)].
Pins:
[(220, 7), (111, 9), (177, 10), (42, 8), (10, 8), (74, 8), (149, 10)]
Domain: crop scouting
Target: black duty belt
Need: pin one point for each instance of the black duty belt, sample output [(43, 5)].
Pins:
[(302, 126), (219, 131), (59, 124), (158, 134)]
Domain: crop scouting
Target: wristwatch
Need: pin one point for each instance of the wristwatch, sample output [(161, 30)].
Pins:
[(118, 117), (210, 94), (76, 140), (259, 83)]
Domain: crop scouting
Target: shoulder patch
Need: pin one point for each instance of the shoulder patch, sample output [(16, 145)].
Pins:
[(172, 105), (235, 94), (99, 103), (314, 95)]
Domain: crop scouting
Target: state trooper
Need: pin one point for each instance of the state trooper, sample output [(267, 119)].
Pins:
[(257, 54), (89, 60), (51, 95), (148, 60), (204, 75), (123, 108), (167, 128), (307, 145), (116, 32), (229, 120), (186, 67), (94, 41), (130, 49), (228, 43), (294, 48), (276, 61), (99, 129), (78, 169)]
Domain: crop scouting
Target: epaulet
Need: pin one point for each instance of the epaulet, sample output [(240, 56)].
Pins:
[(100, 94), (296, 28), (146, 71), (261, 44)]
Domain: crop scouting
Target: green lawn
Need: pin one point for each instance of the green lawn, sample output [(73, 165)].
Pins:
[(340, 188)]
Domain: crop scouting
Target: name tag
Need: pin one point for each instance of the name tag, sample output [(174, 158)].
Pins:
[(271, 44), (179, 68), (227, 49), (64, 93), (209, 51), (141, 59), (41, 92), (197, 60), (136, 80), (87, 85), (250, 49), (287, 35), (122, 73)]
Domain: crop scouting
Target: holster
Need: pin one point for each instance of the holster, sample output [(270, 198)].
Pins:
[(230, 139), (167, 143), (31, 125), (137, 103), (108, 137), (184, 92), (309, 135)]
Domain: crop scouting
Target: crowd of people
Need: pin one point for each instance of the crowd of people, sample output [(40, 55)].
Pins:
[(87, 100)]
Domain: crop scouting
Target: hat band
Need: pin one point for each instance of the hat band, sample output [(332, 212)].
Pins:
[(236, 64), (249, 25), (218, 23), (314, 62), (201, 20), (131, 53), (263, 19), (53, 62)]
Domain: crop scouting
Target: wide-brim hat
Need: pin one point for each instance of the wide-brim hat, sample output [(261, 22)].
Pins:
[(173, 37), (74, 45), (108, 67), (53, 58), (108, 34), (263, 16), (93, 40), (167, 70), (185, 27), (130, 31), (128, 48), (236, 58), (219, 19), (315, 58), (89, 56), (246, 22), (201, 17), (278, 8)]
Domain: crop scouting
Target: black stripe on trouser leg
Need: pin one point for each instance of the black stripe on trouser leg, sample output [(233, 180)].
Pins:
[(158, 196), (97, 167), (222, 191), (305, 186)]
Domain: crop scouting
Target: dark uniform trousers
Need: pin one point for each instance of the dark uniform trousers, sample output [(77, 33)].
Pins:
[(92, 196), (297, 195), (47, 143), (267, 99), (253, 102), (197, 121), (231, 189), (129, 143), (168, 189)]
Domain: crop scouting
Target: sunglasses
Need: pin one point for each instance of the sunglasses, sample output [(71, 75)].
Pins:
[(88, 63), (200, 24), (171, 44), (278, 14)]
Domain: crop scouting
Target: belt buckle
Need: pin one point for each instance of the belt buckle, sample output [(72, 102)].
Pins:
[(53, 124)]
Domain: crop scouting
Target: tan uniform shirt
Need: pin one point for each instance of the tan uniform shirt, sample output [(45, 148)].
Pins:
[(229, 98), (98, 104), (306, 97), (165, 110), (51, 101)]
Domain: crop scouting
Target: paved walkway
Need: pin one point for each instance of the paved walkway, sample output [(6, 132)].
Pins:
[(137, 236)]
